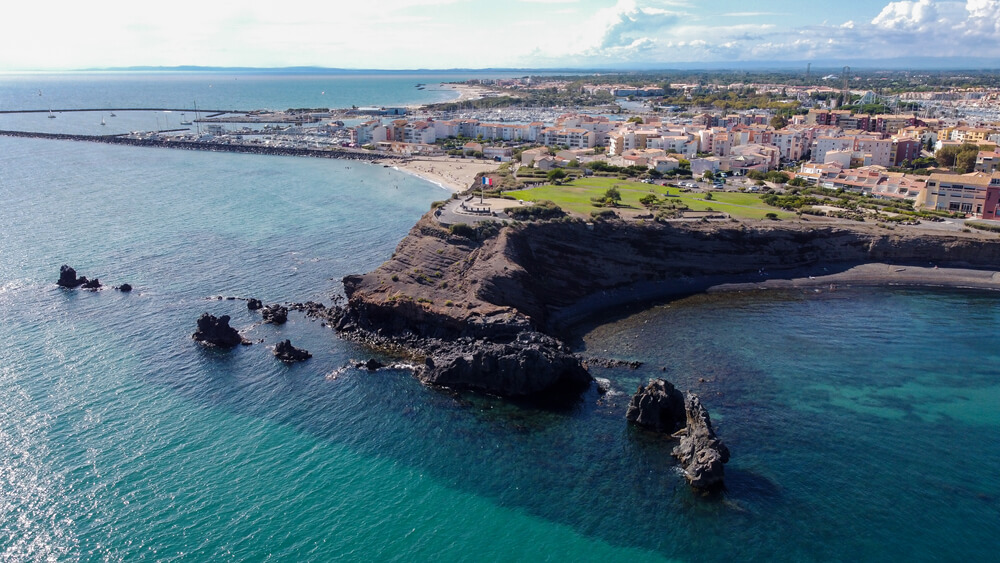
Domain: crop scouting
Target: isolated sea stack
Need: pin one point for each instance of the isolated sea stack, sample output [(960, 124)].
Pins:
[(68, 279), (287, 353), (700, 452), (658, 406), (661, 407), (215, 331)]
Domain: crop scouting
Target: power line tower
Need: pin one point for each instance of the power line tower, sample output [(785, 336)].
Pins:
[(847, 89)]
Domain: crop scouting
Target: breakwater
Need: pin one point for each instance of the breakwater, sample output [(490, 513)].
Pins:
[(339, 153), (215, 111)]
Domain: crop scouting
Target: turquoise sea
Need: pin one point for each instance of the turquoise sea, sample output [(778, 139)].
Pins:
[(862, 422)]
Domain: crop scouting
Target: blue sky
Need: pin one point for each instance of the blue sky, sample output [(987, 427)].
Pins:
[(402, 34)]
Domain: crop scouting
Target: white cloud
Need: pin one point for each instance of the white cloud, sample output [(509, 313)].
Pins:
[(657, 32)]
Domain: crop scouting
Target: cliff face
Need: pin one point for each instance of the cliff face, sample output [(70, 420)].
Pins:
[(542, 275)]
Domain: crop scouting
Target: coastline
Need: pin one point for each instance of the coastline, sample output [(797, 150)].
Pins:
[(840, 276), (454, 175)]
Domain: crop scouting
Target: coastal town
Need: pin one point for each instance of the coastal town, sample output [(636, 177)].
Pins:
[(938, 155)]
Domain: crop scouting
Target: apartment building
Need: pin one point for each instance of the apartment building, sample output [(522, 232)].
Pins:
[(964, 193)]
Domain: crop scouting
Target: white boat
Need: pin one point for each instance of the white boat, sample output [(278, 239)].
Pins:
[(51, 115), (185, 121), (113, 114), (102, 121)]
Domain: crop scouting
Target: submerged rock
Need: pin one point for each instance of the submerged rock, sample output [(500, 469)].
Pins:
[(371, 365), (285, 352), (700, 452), (275, 314), (215, 331), (659, 406), (124, 288)]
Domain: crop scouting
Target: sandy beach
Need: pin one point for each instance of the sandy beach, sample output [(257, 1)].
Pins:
[(452, 174), (466, 91)]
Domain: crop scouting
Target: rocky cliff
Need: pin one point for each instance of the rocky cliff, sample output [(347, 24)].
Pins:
[(538, 277)]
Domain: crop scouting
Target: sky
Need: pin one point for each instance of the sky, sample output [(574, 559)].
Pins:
[(441, 34)]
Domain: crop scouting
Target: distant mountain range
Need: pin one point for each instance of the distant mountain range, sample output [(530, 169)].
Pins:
[(905, 63)]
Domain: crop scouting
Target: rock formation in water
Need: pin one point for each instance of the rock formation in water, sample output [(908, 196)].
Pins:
[(285, 352), (68, 279), (275, 314), (215, 331), (124, 288), (700, 452), (371, 365), (528, 364), (658, 406), (254, 304)]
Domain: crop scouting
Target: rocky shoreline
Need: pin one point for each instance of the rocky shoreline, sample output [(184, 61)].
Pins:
[(484, 310)]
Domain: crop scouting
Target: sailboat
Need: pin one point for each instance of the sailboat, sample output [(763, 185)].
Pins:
[(102, 121), (113, 114), (185, 121), (51, 115)]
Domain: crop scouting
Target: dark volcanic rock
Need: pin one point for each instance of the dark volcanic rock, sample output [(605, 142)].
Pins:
[(90, 284), (533, 363), (67, 278), (659, 406), (700, 452), (275, 314), (254, 304), (285, 352), (124, 287), (216, 331), (613, 363), (371, 365)]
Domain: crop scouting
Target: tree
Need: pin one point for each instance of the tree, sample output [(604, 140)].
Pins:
[(612, 196), (556, 174), (708, 175), (574, 163), (635, 119), (778, 122)]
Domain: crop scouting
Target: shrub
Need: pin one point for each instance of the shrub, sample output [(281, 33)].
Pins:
[(542, 209), (603, 214), (772, 216)]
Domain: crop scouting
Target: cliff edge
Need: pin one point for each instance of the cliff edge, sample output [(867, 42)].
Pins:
[(465, 298)]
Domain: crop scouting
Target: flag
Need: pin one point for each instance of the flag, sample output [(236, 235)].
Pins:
[(487, 181)]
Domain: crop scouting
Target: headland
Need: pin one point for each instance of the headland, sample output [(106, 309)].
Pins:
[(476, 302)]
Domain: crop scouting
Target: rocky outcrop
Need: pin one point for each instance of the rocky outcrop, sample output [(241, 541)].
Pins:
[(658, 406), (700, 452), (285, 352), (254, 304), (371, 365), (275, 314), (215, 331), (532, 363), (68, 279), (543, 276), (124, 288)]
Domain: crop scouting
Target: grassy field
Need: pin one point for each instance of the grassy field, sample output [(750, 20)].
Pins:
[(575, 196)]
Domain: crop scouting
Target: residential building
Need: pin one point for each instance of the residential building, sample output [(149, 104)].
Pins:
[(964, 193)]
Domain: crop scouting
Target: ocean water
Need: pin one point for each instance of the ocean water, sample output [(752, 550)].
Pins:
[(861, 421)]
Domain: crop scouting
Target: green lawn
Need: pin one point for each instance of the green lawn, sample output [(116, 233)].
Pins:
[(575, 196)]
